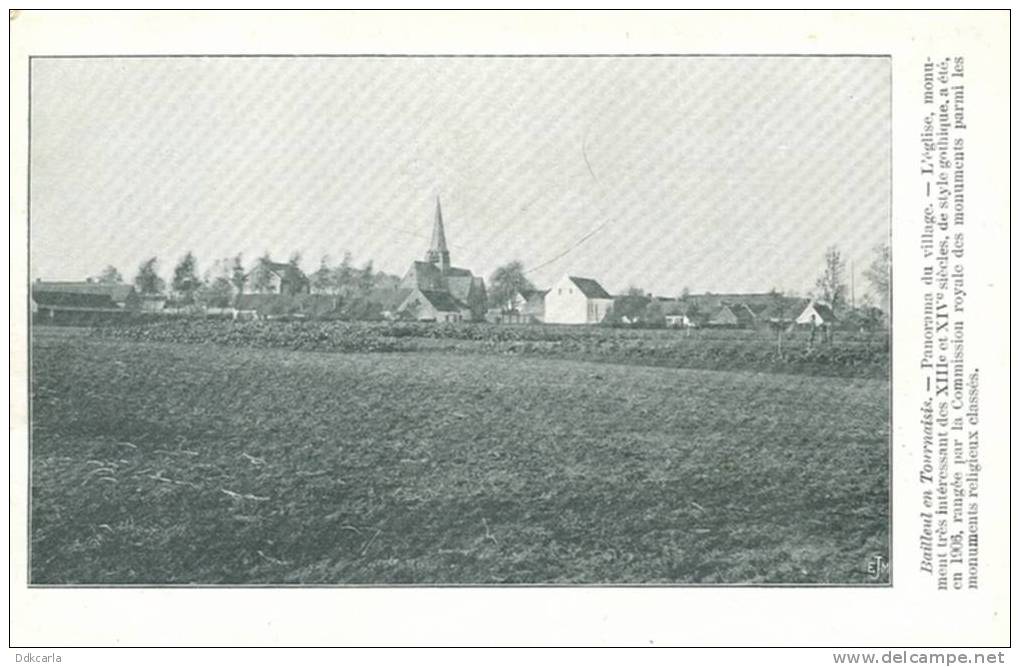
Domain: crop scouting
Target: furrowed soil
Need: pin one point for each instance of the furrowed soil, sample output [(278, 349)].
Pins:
[(170, 463)]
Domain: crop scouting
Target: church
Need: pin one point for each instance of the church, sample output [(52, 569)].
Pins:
[(438, 291)]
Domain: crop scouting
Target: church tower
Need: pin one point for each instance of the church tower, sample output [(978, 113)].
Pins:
[(438, 253)]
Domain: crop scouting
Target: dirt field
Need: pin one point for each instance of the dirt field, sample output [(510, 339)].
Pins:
[(180, 463)]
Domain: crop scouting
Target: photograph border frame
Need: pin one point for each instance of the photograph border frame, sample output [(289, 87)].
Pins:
[(724, 585)]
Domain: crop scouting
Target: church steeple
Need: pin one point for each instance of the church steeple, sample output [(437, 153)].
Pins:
[(438, 253)]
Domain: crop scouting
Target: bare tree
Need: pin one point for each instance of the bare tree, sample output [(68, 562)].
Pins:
[(878, 275), (830, 285)]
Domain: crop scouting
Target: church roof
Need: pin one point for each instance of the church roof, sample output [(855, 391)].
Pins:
[(438, 234), (387, 297), (444, 302), (424, 268), (446, 288), (425, 272), (460, 286)]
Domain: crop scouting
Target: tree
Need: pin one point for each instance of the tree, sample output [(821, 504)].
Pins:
[(109, 276), (185, 282), (830, 285), (217, 288), (878, 275), (654, 315), (323, 280), (630, 305), (216, 292), (295, 259), (505, 282), (147, 281), (366, 278), (343, 275), (237, 275)]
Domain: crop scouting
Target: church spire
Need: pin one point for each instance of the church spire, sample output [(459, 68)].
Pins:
[(438, 253)]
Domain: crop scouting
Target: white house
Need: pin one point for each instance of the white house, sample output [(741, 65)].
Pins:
[(575, 300), (680, 321), (816, 314), (525, 306)]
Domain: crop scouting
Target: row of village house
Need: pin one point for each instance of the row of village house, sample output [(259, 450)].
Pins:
[(572, 300), (433, 289)]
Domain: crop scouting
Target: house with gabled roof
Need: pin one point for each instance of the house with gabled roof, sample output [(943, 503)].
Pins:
[(738, 315), (280, 278), (533, 304), (577, 300), (434, 306), (526, 306), (750, 310), (817, 314), (680, 314)]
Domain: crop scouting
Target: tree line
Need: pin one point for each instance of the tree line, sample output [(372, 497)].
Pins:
[(227, 277)]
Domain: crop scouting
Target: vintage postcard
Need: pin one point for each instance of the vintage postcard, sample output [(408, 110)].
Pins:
[(387, 317)]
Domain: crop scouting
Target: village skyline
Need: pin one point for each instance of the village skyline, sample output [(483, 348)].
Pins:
[(858, 282), (722, 175)]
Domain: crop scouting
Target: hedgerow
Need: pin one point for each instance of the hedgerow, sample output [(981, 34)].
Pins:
[(851, 357)]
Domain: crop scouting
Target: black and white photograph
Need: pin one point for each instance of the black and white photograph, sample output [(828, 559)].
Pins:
[(460, 321)]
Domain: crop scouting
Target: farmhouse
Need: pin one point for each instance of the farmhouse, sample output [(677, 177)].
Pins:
[(738, 315), (678, 314), (434, 305), (82, 300), (524, 307), (279, 278), (269, 306), (681, 320), (575, 300), (433, 289), (817, 314), (533, 307), (152, 303), (784, 312), (743, 311)]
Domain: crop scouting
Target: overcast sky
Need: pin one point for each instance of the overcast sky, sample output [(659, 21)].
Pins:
[(719, 174)]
